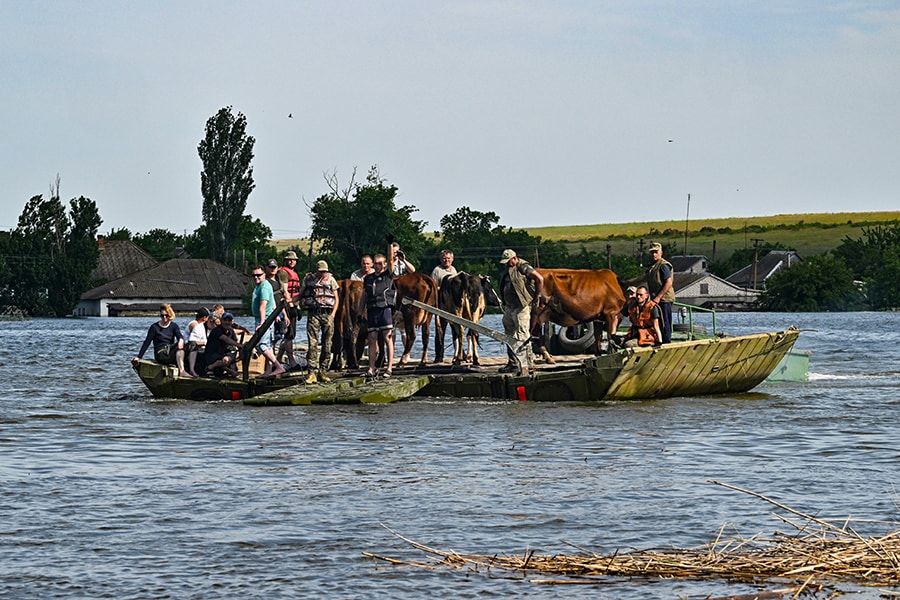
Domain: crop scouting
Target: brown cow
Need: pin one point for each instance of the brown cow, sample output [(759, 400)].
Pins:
[(421, 287), (574, 296), (349, 338), (466, 296)]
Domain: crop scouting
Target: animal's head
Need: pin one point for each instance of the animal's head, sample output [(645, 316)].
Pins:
[(491, 298)]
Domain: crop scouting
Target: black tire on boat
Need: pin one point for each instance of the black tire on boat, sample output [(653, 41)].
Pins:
[(577, 339)]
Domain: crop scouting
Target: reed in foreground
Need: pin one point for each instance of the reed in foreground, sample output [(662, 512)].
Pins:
[(816, 555)]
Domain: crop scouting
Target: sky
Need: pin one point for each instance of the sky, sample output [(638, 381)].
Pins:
[(547, 113)]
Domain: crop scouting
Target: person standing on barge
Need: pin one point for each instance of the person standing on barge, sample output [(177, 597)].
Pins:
[(520, 287), (262, 304), (381, 296), (319, 296)]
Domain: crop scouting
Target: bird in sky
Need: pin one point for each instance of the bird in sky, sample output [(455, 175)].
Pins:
[(290, 115)]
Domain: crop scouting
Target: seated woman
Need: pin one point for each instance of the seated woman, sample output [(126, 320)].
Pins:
[(168, 343), (196, 342)]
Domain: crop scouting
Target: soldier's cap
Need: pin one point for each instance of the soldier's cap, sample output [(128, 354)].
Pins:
[(507, 254)]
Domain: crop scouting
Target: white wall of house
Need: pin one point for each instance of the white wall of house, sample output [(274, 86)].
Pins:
[(100, 308), (716, 290)]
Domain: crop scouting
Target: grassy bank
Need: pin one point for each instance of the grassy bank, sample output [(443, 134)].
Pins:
[(808, 234)]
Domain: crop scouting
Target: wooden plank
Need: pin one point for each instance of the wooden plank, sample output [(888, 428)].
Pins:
[(344, 391)]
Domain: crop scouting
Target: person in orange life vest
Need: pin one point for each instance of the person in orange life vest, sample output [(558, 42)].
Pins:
[(290, 286), (644, 315)]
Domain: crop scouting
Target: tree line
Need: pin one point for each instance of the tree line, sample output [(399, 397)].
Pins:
[(45, 263)]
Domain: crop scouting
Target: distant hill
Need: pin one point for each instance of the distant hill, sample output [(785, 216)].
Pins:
[(808, 234)]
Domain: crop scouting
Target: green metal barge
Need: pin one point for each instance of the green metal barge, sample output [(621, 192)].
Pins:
[(690, 368)]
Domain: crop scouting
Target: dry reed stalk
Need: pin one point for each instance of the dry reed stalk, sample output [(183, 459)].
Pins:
[(818, 553)]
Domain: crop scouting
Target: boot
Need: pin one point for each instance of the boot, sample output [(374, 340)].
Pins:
[(322, 377), (311, 378)]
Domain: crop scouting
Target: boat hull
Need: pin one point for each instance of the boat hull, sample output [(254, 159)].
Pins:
[(701, 367)]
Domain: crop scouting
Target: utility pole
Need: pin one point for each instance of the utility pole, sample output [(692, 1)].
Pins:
[(756, 242), (686, 219), (609, 257), (641, 252)]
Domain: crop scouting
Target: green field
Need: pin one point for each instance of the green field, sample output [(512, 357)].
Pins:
[(808, 234)]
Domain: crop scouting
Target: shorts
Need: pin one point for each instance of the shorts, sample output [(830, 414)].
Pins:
[(165, 355), (380, 319), (264, 343)]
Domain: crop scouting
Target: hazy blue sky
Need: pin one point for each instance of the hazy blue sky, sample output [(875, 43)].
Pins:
[(544, 112)]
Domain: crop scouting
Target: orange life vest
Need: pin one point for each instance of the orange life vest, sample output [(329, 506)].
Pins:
[(642, 324), (293, 284)]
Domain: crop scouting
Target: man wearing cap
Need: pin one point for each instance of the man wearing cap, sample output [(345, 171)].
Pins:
[(659, 280), (290, 287), (319, 297), (221, 345), (520, 286)]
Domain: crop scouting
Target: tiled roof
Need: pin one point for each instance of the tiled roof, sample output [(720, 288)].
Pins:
[(178, 278), (682, 280), (119, 258), (765, 267)]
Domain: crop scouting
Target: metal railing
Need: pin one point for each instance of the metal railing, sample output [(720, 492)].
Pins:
[(686, 311)]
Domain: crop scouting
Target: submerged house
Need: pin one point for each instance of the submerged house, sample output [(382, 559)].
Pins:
[(119, 258), (693, 284), (768, 265), (185, 283)]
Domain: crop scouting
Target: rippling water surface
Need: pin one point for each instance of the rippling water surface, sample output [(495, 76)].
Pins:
[(107, 492)]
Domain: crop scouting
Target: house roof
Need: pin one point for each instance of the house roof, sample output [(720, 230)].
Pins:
[(766, 266), (119, 258), (683, 280), (683, 264), (178, 278)]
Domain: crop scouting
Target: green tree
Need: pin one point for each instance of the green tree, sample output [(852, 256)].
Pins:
[(356, 220), (121, 234), (478, 239), (51, 254), (884, 287), (252, 246), (875, 259), (226, 180), (161, 244), (820, 283), (79, 257)]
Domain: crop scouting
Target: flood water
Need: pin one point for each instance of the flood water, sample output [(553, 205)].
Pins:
[(106, 492)]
